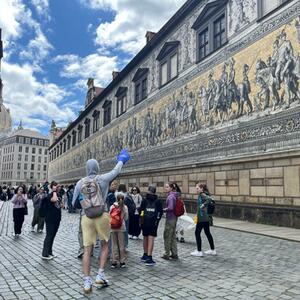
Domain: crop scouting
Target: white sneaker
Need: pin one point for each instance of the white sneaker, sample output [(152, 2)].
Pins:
[(47, 257), (130, 237), (87, 286), (211, 252), (32, 229), (135, 238), (101, 279), (197, 253)]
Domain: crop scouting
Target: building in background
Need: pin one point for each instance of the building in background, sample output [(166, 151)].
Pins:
[(212, 97), (23, 158)]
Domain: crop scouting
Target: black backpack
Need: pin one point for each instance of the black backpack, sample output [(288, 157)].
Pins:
[(211, 206), (150, 213)]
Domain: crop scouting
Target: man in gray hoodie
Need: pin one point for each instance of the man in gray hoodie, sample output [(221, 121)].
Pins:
[(94, 190)]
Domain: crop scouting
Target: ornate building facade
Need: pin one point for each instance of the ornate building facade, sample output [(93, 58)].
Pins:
[(213, 97)]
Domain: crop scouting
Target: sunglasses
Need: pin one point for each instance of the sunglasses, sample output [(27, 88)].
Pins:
[(134, 190)]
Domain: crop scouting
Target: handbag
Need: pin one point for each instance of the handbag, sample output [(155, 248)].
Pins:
[(25, 209)]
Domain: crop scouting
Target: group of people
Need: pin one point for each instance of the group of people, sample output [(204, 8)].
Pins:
[(110, 215)]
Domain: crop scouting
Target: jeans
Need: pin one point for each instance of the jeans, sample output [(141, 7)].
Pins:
[(51, 230), (198, 230)]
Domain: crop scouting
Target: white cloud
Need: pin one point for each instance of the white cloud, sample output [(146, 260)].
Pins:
[(38, 48), (132, 20), (34, 102), (42, 7), (94, 66), (10, 12)]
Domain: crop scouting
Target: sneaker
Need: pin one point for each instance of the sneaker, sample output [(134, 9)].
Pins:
[(52, 255), (101, 279), (122, 265), (130, 236), (211, 252), (144, 257), (32, 229), (17, 236), (166, 257), (47, 257), (197, 253), (135, 238), (80, 255), (87, 286), (113, 265), (40, 231), (150, 262), (181, 240)]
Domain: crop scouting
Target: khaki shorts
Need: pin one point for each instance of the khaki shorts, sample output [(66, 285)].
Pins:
[(92, 227)]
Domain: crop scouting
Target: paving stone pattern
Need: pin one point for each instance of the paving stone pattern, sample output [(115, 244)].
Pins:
[(247, 266)]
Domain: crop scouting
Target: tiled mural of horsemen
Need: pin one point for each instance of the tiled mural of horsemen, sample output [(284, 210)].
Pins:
[(232, 90)]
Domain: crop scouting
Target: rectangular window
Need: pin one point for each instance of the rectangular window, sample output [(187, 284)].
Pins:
[(73, 139), (33, 150), (32, 167), (203, 44), (87, 129), (79, 134), (46, 152), (19, 157), (33, 158), (137, 92), (164, 73), (20, 148), (121, 105), (219, 32), (34, 141), (45, 160), (173, 66), (31, 175), (25, 166), (21, 140), (19, 166), (107, 115), (45, 168), (40, 151), (39, 159), (144, 89), (39, 167), (26, 157), (27, 149), (27, 141), (25, 175), (40, 142)]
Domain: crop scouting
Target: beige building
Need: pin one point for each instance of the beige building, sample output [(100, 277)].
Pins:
[(23, 158), (213, 97)]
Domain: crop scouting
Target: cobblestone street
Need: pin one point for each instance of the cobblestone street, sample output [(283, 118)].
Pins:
[(247, 266)]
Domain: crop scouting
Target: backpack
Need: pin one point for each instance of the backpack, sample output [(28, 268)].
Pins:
[(93, 202), (115, 218), (179, 207), (150, 214), (211, 206)]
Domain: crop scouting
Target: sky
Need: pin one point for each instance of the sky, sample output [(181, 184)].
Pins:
[(51, 48)]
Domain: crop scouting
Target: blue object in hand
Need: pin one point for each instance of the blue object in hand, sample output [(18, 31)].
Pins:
[(123, 156)]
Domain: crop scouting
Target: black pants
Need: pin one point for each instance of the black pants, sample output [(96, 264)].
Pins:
[(51, 230), (198, 230), (18, 214), (134, 225)]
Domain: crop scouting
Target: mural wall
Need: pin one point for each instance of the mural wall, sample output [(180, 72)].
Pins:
[(262, 79)]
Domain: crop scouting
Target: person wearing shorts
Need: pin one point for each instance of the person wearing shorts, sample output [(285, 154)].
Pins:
[(151, 213), (98, 226)]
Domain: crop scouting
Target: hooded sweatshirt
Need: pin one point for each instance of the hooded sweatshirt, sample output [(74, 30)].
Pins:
[(170, 205), (92, 170)]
